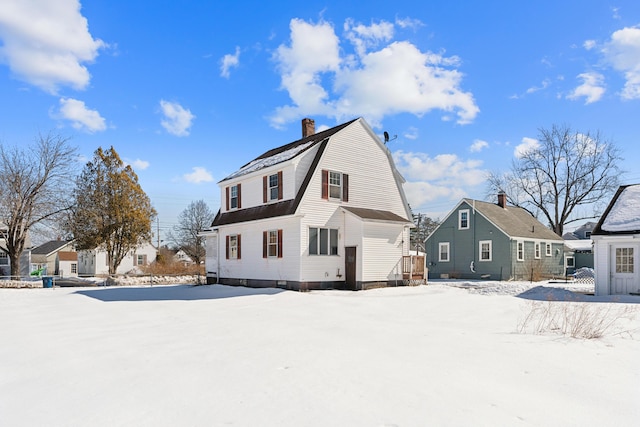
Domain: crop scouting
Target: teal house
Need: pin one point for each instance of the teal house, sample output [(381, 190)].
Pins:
[(493, 241)]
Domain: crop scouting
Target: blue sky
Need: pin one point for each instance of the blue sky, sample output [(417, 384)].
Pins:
[(187, 92)]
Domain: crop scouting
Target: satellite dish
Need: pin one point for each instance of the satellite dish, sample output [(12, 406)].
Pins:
[(386, 136)]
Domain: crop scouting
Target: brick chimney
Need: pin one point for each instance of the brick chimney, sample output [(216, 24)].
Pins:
[(502, 199), (308, 127)]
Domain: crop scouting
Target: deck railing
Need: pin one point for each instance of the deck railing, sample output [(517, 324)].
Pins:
[(413, 267)]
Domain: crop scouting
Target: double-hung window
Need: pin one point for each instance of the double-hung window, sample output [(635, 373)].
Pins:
[(335, 185), (4, 258), (272, 244), (233, 197), (520, 251), (443, 252), (463, 219), (548, 251), (233, 246), (323, 241), (485, 250), (537, 250), (272, 187)]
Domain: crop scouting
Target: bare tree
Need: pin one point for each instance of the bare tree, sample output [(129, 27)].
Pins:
[(566, 171), (424, 226), (34, 188), (111, 210), (186, 234)]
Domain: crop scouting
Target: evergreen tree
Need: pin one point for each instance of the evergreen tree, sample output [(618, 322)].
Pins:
[(111, 210)]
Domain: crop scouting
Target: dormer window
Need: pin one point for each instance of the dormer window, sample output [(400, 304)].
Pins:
[(272, 187), (234, 197)]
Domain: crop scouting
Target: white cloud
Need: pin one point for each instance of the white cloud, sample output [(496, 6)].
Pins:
[(81, 117), (623, 53), (545, 84), (140, 164), (527, 145), (443, 176), (177, 120), (198, 175), (409, 23), (478, 145), (47, 43), (405, 79), (592, 87), (229, 61), (589, 44), (411, 133)]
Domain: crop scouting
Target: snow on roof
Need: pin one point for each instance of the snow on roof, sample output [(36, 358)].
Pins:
[(579, 244), (262, 163), (625, 213)]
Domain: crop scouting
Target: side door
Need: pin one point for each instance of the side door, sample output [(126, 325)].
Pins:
[(350, 267), (624, 267)]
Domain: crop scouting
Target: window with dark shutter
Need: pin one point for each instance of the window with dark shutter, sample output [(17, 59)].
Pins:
[(345, 187), (325, 184)]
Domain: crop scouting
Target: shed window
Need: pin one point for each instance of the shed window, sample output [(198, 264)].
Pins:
[(624, 260)]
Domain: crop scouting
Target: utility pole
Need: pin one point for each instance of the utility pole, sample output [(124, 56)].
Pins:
[(158, 231)]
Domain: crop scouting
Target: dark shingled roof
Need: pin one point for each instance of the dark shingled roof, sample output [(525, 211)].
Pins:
[(49, 247), (273, 153), (374, 214), (514, 221)]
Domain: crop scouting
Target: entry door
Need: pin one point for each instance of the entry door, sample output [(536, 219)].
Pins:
[(623, 269), (350, 267)]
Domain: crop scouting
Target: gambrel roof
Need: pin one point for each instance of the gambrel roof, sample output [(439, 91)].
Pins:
[(282, 154), (286, 152), (513, 221)]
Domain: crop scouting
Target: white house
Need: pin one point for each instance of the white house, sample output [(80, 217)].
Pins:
[(325, 211), (55, 257), (616, 244), (93, 262)]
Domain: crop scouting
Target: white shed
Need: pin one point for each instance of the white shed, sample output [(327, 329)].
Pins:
[(616, 244)]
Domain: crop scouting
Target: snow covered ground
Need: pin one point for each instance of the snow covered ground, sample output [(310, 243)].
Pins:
[(445, 354)]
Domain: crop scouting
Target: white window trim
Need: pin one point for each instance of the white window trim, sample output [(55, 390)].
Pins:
[(270, 188), (329, 185), (233, 254), (573, 262), (460, 212), (329, 240), (518, 244), (231, 207), (270, 245), (440, 246), (537, 251), (548, 250), (480, 243)]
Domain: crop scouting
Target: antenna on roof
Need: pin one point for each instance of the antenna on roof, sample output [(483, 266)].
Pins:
[(386, 137)]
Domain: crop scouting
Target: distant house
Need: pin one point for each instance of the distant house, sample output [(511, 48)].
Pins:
[(481, 240), (55, 257), (616, 244), (95, 261), (325, 211), (5, 262), (579, 247)]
